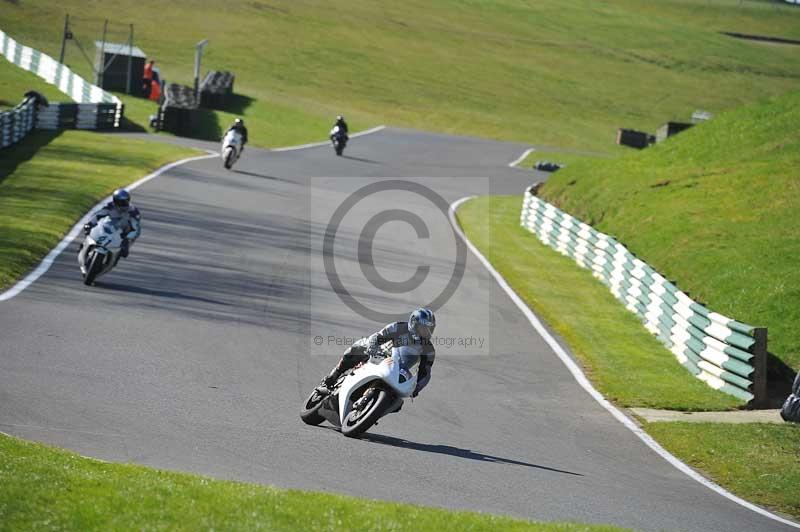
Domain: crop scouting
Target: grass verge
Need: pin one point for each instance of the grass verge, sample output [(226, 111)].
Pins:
[(41, 486), (627, 364), (717, 208), (41, 196), (759, 462)]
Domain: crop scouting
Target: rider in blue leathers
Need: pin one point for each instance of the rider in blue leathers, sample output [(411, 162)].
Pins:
[(124, 214)]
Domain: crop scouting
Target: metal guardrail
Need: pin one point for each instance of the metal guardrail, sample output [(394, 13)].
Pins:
[(728, 355), (17, 122), (95, 108)]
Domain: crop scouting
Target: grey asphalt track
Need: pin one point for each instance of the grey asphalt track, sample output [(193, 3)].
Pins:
[(196, 353)]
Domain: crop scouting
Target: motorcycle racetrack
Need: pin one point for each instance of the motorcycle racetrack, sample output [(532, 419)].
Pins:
[(196, 352)]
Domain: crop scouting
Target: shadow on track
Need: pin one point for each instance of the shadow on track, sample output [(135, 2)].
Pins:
[(370, 161), (264, 176), (157, 293), (455, 451)]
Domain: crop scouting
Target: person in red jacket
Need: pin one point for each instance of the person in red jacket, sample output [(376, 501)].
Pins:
[(147, 78)]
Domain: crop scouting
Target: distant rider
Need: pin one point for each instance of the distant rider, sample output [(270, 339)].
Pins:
[(416, 331), (342, 127), (124, 214), (238, 125)]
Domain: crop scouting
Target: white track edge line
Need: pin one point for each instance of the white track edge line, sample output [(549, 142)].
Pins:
[(521, 158), (43, 266), (326, 142), (579, 376)]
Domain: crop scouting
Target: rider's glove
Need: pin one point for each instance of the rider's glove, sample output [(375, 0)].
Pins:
[(87, 228)]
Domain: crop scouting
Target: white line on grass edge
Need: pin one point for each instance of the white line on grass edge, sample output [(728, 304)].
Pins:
[(78, 227), (579, 376), (515, 162), (326, 142)]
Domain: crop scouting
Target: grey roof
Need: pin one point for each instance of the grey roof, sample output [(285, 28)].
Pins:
[(122, 49)]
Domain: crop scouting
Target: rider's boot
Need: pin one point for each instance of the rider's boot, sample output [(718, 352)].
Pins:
[(328, 382)]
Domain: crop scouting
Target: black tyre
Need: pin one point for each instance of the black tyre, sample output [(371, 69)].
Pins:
[(309, 414), (359, 421), (229, 154), (95, 265)]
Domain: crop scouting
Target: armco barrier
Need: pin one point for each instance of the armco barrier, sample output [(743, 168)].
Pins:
[(17, 122), (727, 355), (94, 103)]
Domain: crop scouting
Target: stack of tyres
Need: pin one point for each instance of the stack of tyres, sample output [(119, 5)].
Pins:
[(216, 89), (179, 112)]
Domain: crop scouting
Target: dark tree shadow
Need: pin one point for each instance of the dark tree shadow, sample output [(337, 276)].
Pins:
[(455, 451), (127, 125), (780, 377), (237, 103), (24, 150)]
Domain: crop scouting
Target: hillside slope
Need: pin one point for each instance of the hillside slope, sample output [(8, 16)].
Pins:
[(717, 208), (545, 71)]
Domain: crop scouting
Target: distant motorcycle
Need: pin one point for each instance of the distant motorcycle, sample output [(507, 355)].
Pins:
[(370, 391), (100, 250), (339, 139), (231, 148)]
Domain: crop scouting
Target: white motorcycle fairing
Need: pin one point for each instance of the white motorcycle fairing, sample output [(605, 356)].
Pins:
[(232, 140), (105, 239), (386, 370)]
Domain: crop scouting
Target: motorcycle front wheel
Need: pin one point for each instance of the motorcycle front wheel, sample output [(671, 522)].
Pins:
[(310, 412), (229, 155), (358, 421), (95, 265)]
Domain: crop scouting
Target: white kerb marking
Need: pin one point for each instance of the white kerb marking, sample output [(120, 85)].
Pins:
[(521, 158)]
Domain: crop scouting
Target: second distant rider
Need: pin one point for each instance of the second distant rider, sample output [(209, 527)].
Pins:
[(342, 127), (238, 125)]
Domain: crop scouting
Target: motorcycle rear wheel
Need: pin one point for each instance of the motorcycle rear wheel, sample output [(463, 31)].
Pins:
[(358, 422), (310, 412)]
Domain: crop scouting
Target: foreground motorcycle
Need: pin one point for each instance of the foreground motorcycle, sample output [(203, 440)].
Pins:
[(231, 148), (100, 250), (339, 139), (365, 394)]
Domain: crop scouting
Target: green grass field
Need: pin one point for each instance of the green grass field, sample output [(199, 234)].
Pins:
[(46, 488), (546, 72), (716, 208), (759, 462)]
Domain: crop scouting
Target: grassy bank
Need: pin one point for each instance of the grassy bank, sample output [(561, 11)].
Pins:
[(627, 364), (544, 72), (43, 487), (716, 208), (49, 180), (758, 462), (15, 82)]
